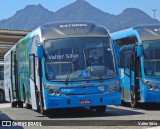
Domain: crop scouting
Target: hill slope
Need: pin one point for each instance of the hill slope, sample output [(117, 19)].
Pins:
[(33, 16)]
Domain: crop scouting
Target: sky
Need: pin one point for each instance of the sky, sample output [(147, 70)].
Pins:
[(9, 7)]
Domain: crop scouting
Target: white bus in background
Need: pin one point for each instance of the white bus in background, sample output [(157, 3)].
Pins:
[(2, 97)]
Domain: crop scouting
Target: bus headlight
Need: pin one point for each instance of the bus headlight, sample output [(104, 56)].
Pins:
[(54, 92), (51, 91), (57, 92), (154, 87), (115, 88), (110, 89), (149, 87)]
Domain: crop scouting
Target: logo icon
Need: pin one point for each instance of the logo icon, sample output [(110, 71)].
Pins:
[(85, 73), (6, 123)]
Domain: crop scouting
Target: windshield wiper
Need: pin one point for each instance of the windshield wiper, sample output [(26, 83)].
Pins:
[(67, 78), (92, 67), (97, 73)]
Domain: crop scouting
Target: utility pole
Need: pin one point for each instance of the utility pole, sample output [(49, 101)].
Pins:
[(154, 11), (123, 23)]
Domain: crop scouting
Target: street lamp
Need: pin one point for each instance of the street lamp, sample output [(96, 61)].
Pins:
[(154, 11), (123, 23)]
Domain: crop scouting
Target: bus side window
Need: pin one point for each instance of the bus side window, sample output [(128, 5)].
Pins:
[(32, 66), (121, 58), (127, 60), (138, 68)]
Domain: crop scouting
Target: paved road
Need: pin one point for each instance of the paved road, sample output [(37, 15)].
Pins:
[(81, 117)]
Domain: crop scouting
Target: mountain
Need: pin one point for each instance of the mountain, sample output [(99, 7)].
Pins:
[(131, 17), (28, 18), (33, 16), (81, 10)]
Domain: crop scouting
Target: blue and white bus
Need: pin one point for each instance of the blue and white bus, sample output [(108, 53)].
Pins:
[(2, 97), (63, 65), (139, 62)]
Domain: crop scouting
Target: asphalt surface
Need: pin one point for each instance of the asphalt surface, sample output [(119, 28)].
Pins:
[(144, 117)]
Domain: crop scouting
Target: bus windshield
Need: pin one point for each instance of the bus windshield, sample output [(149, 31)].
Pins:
[(152, 58), (82, 58)]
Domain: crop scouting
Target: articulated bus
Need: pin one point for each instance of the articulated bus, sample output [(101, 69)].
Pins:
[(2, 97), (63, 65), (139, 63)]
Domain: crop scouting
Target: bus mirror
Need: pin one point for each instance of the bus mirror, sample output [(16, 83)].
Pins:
[(148, 72), (40, 51), (139, 50)]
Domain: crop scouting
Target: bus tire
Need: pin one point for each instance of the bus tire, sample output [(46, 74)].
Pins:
[(44, 112), (100, 109), (13, 104), (20, 104), (9, 96), (28, 106), (125, 104), (1, 96)]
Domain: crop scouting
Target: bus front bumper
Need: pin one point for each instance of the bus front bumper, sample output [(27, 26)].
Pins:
[(53, 102), (152, 96)]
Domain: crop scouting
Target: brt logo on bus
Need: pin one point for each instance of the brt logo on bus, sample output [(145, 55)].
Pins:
[(85, 73)]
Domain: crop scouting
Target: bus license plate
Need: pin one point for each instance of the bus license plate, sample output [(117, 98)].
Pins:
[(85, 101)]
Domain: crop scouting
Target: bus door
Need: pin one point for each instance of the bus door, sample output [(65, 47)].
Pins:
[(126, 79), (14, 77), (134, 83), (135, 66), (33, 86)]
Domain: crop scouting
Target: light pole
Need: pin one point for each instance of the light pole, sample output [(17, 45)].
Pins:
[(154, 11), (123, 23)]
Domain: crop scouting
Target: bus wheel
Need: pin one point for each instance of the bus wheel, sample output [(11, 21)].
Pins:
[(13, 104), (125, 104), (1, 96), (101, 109), (44, 112), (133, 102), (28, 106), (20, 104), (9, 96)]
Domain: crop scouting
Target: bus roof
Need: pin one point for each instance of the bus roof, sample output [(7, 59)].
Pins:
[(142, 32), (72, 29)]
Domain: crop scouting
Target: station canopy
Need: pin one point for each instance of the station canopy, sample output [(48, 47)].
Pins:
[(8, 38)]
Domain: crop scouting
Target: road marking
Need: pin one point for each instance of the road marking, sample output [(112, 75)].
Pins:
[(5, 105), (157, 127)]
